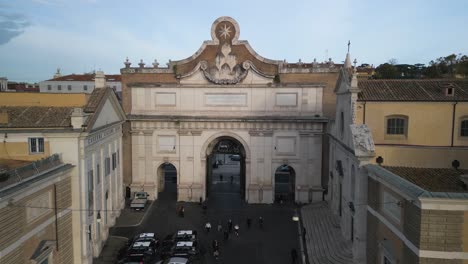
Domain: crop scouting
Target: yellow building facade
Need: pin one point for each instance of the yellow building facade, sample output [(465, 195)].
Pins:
[(416, 123)]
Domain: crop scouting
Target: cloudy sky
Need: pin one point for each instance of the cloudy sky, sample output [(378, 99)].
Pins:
[(39, 36)]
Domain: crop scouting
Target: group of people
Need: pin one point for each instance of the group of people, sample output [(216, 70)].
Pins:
[(228, 230)]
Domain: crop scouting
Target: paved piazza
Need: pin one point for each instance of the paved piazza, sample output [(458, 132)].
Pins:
[(272, 244)]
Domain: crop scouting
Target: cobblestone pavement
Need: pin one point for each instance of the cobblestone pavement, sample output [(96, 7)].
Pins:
[(325, 244)]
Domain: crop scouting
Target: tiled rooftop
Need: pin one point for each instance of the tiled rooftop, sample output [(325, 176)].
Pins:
[(35, 116), (412, 90), (86, 78), (430, 179)]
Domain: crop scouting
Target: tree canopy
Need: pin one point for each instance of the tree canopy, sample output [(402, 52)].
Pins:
[(451, 66)]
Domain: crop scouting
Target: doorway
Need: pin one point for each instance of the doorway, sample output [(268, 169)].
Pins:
[(285, 184), (167, 182)]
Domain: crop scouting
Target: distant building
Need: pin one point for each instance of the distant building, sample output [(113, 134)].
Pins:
[(77, 83), (3, 84), (35, 211), (22, 87), (416, 215), (86, 131)]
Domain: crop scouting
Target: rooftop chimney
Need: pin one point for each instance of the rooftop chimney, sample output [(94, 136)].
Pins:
[(78, 118), (99, 80)]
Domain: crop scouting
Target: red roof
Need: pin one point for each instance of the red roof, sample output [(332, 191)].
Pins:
[(89, 77)]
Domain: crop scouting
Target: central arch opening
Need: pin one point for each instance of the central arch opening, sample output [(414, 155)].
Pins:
[(225, 176)]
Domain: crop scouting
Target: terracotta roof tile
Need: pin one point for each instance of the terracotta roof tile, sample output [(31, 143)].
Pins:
[(431, 179), (412, 90), (94, 100), (86, 78), (37, 117)]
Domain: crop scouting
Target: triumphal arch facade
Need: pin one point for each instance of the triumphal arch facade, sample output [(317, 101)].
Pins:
[(266, 114)]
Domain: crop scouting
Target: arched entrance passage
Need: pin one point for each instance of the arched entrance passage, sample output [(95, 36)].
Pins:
[(285, 182), (167, 181), (225, 168)]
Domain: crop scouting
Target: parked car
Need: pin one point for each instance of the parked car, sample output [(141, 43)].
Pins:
[(141, 252), (185, 235), (139, 200), (187, 249)]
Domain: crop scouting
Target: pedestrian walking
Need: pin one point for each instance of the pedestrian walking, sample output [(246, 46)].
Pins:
[(181, 211), (230, 225), (215, 245), (293, 256), (221, 177), (260, 222), (216, 254), (208, 227), (249, 222), (220, 226), (226, 235), (232, 179), (236, 229), (201, 201)]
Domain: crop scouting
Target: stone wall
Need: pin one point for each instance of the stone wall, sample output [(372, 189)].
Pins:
[(442, 230), (17, 224)]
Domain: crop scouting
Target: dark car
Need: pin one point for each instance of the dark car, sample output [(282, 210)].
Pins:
[(185, 235), (142, 249), (187, 249)]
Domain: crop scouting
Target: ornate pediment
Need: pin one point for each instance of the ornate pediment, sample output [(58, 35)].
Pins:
[(225, 59)]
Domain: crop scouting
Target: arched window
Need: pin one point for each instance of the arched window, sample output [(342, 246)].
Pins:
[(396, 125), (464, 128)]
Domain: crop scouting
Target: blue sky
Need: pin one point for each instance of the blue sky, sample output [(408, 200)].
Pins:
[(38, 36)]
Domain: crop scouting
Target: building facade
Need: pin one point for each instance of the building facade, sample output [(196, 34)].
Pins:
[(351, 147), (86, 130), (418, 123), (35, 215), (416, 215), (226, 97), (77, 83)]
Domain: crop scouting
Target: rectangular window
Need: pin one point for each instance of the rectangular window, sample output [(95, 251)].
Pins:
[(464, 128), (107, 167), (85, 87), (98, 173), (114, 161), (90, 192), (59, 87), (36, 145), (69, 87), (49, 87), (396, 126), (391, 206)]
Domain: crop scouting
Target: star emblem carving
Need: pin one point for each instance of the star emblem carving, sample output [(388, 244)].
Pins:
[(225, 31)]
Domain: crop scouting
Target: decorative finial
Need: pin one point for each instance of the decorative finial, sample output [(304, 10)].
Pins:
[(142, 64), (168, 63), (155, 63), (349, 44), (127, 63), (300, 62), (355, 62)]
